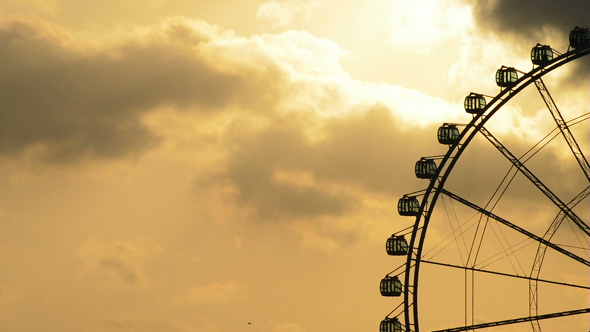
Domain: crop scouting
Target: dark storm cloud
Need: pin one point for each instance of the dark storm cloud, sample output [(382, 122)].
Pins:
[(527, 22), (71, 102), (527, 18)]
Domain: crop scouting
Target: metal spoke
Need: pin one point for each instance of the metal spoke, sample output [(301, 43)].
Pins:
[(505, 274), (563, 127), (516, 320), (523, 169), (515, 227)]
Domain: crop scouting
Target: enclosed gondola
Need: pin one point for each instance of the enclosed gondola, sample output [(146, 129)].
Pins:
[(448, 134), (397, 245), (425, 168), (390, 286), (580, 38), (408, 206), (390, 325), (541, 55), (475, 103), (506, 77)]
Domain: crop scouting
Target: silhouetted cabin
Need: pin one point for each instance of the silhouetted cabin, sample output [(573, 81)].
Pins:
[(408, 206), (448, 134), (541, 55), (506, 77), (425, 168), (580, 38), (390, 325), (475, 103), (390, 286), (397, 245)]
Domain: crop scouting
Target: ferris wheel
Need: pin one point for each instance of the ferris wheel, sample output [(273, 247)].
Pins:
[(501, 233)]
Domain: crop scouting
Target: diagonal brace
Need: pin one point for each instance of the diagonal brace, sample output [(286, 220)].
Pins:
[(524, 170), (517, 320), (563, 127), (515, 227)]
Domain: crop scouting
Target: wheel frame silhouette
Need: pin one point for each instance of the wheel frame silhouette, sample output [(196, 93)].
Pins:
[(438, 177)]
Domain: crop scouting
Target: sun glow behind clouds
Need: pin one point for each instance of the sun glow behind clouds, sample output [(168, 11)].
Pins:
[(422, 25)]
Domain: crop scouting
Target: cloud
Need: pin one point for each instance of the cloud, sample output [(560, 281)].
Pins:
[(281, 131), (509, 29), (531, 19), (69, 101), (113, 264), (281, 173), (420, 25), (64, 100), (253, 170), (279, 14)]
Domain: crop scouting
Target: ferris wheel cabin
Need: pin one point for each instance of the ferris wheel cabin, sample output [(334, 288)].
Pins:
[(390, 286), (580, 38), (448, 134), (506, 77), (541, 54), (475, 103), (397, 245), (425, 168), (390, 325), (408, 206)]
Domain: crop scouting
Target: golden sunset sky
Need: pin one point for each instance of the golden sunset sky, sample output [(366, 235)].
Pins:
[(235, 165)]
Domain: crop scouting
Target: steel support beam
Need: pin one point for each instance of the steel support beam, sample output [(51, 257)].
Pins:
[(516, 320), (524, 170), (563, 127), (515, 227)]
